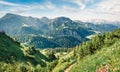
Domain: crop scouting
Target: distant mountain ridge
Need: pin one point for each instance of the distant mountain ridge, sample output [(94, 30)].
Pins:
[(102, 28), (16, 26)]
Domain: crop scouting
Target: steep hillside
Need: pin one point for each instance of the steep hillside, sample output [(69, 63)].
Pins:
[(99, 54), (12, 23), (106, 60), (9, 49), (15, 58), (42, 42), (29, 30), (51, 42), (64, 26), (66, 41)]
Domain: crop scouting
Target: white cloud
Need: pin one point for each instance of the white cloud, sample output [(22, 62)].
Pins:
[(7, 3), (13, 7), (104, 9), (110, 6), (87, 10), (78, 2), (2, 2), (49, 5), (88, 1)]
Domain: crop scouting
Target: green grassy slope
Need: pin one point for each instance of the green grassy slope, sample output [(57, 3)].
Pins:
[(9, 49), (15, 58), (101, 53), (108, 57)]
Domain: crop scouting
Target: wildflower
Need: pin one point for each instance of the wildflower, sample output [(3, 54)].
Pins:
[(104, 69), (98, 70)]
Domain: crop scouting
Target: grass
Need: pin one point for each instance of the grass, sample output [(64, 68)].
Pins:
[(108, 57)]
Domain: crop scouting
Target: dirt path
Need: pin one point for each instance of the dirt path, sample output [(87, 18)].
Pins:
[(69, 68)]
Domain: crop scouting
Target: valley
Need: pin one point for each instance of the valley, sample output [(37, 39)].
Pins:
[(29, 44)]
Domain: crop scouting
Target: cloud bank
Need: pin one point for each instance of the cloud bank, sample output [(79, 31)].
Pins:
[(75, 9)]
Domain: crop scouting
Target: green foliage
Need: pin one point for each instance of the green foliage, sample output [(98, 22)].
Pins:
[(51, 55), (14, 58), (58, 41), (66, 41), (98, 42), (101, 52), (107, 57), (42, 42), (10, 50)]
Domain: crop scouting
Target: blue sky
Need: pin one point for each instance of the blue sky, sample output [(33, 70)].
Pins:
[(75, 9)]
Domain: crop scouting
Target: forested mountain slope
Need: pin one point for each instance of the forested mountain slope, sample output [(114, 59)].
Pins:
[(20, 27)]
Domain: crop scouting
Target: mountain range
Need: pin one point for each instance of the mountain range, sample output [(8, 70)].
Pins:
[(46, 33)]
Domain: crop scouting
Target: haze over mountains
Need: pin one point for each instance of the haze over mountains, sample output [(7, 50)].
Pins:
[(47, 33)]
